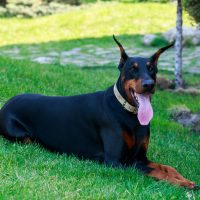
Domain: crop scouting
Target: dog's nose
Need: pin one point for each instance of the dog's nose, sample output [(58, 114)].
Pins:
[(148, 84)]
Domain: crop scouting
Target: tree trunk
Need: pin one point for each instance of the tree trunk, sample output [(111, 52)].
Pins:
[(178, 47), (3, 2)]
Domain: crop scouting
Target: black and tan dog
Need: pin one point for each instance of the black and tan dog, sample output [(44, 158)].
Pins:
[(110, 126)]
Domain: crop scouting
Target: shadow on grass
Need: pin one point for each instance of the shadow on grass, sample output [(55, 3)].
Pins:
[(106, 41), (92, 52), (68, 44)]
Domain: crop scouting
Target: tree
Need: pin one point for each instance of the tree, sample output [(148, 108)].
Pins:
[(193, 8), (3, 2), (178, 47)]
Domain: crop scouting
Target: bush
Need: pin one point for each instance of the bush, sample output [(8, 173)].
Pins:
[(29, 8), (2, 11), (33, 8), (71, 2), (193, 8), (138, 1), (31, 2)]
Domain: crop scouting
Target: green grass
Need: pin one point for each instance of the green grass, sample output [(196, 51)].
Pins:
[(31, 172), (88, 24), (91, 21)]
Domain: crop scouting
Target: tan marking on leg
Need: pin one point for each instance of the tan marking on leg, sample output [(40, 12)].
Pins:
[(27, 140), (163, 172)]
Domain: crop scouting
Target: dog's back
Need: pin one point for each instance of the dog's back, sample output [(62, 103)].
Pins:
[(63, 124)]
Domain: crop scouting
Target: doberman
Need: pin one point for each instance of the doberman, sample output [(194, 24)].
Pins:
[(111, 126)]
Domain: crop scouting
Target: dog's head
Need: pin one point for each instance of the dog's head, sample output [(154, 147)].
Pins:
[(138, 77)]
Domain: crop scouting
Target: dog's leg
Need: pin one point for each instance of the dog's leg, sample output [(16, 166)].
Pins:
[(163, 172), (113, 144), (158, 171), (169, 174), (14, 130)]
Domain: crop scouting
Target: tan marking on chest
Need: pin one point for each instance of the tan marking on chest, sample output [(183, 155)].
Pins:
[(129, 139), (145, 143), (136, 85), (27, 140)]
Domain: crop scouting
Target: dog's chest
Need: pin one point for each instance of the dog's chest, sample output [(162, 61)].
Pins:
[(134, 142)]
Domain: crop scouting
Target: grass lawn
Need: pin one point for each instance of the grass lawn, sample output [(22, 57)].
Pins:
[(90, 21), (31, 172)]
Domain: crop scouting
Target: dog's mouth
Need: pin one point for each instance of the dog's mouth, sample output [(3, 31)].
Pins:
[(134, 98), (143, 103)]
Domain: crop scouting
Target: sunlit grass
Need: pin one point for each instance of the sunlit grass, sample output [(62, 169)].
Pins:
[(30, 172), (95, 20)]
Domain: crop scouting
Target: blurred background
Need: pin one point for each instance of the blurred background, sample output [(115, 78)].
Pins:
[(31, 8)]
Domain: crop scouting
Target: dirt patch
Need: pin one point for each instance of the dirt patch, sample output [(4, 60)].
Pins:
[(164, 83), (169, 85), (185, 117), (190, 90)]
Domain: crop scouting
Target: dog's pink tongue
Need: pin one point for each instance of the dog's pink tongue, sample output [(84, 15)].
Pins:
[(145, 111)]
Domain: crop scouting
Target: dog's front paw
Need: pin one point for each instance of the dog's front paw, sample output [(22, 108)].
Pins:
[(193, 186), (196, 187)]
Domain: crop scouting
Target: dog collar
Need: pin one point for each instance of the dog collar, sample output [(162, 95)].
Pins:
[(125, 104)]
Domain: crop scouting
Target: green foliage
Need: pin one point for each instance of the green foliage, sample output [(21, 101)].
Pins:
[(3, 2), (131, 1), (27, 8), (91, 21), (33, 8), (72, 2), (193, 8), (140, 1), (159, 41), (2, 11)]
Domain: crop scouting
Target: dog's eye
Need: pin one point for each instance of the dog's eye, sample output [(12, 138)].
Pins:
[(135, 66), (150, 66)]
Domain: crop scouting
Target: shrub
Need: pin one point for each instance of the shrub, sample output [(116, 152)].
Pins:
[(2, 11), (33, 8), (30, 8), (138, 1), (193, 8)]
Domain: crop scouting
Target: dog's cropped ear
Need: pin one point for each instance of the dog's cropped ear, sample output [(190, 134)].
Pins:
[(124, 56), (155, 56)]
